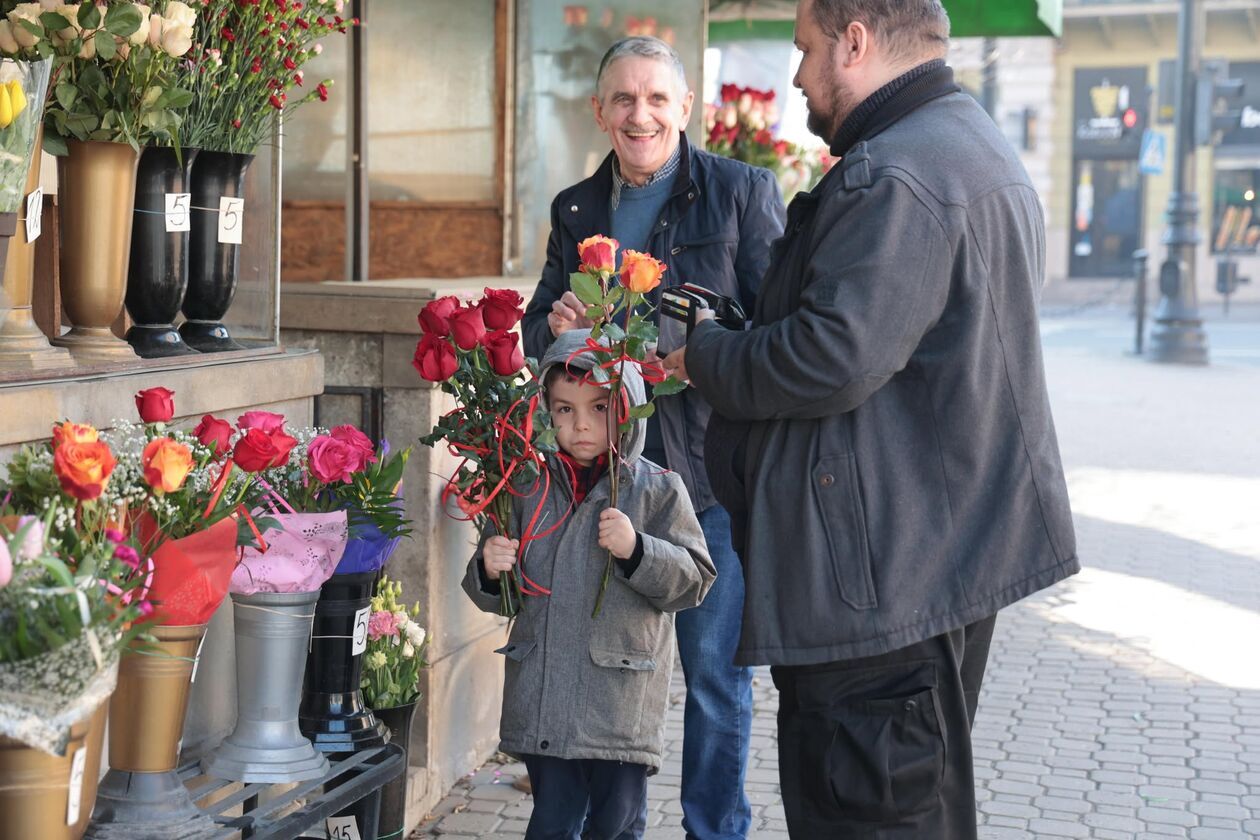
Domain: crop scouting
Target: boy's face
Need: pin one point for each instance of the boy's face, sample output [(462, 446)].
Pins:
[(580, 414)]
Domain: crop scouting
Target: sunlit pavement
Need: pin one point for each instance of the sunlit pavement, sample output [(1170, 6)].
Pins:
[(1125, 702)]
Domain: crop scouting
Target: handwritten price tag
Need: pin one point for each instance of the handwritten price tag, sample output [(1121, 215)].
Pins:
[(197, 661), (77, 765), (34, 215), (342, 828), (231, 216), (177, 215), (360, 631)]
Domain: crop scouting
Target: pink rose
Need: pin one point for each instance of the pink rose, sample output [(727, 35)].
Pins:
[(332, 460), (6, 564), (359, 442), (32, 544), (264, 421), (382, 624)]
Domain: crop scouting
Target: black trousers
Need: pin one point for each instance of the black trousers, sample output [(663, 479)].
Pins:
[(879, 748), (586, 799)]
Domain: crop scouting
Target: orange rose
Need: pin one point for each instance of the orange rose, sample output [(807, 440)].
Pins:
[(166, 464), (598, 253), (73, 433), (641, 273), (84, 468)]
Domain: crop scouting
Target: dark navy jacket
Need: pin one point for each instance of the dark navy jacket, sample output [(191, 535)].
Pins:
[(715, 230)]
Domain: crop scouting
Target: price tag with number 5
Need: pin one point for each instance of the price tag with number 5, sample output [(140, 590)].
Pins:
[(360, 631), (342, 828), (231, 216), (34, 215), (177, 216)]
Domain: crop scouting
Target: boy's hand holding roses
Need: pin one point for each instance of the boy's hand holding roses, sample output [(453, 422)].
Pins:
[(499, 556), (616, 534)]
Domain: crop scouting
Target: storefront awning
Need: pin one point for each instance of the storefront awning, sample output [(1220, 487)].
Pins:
[(739, 20)]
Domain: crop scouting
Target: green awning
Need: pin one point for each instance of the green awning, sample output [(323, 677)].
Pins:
[(741, 20)]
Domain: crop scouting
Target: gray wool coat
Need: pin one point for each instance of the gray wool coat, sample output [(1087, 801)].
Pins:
[(597, 688)]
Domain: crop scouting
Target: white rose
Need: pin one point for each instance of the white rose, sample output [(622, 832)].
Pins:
[(8, 43), (69, 11), (49, 5), (728, 116), (180, 13), (408, 651), (29, 12), (88, 50), (155, 30), (122, 50), (176, 38), (142, 34)]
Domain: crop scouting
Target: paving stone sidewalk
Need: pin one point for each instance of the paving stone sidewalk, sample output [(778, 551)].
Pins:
[(1124, 703)]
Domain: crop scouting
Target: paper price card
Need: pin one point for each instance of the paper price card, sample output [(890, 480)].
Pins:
[(77, 765), (360, 631), (177, 216), (231, 218), (342, 828), (34, 215)]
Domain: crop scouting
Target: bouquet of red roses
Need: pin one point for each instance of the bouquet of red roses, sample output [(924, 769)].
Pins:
[(499, 429)]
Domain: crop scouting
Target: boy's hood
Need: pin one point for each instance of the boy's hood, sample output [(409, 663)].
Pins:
[(571, 342)]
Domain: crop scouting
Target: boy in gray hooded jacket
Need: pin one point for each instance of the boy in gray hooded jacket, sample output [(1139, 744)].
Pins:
[(584, 697)]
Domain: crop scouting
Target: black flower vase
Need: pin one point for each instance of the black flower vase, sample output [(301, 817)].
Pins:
[(332, 713), (157, 274), (394, 794), (212, 265)]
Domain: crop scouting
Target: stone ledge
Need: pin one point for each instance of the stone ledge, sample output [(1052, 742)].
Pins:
[(201, 385)]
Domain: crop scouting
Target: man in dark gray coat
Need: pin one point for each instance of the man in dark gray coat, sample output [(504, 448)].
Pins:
[(882, 433)]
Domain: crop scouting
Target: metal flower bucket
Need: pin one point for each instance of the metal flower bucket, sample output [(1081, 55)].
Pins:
[(273, 630)]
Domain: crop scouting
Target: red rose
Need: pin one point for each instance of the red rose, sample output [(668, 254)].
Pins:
[(763, 137), (501, 309), (156, 405), (266, 421), (215, 434), (332, 461), (361, 444), (435, 358), (258, 450), (598, 254), (504, 351), (435, 318), (467, 327)]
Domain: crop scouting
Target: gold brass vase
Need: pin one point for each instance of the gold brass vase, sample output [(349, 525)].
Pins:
[(35, 793), (96, 196), (22, 345), (147, 709)]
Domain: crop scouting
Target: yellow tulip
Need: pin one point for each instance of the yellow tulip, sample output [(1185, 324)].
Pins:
[(18, 96), (6, 107)]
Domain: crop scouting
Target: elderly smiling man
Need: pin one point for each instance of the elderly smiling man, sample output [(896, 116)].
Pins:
[(712, 221)]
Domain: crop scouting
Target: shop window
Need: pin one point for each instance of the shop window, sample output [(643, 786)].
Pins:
[(1106, 223), (1236, 210)]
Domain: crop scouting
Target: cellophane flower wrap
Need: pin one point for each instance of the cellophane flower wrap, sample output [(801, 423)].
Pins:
[(623, 334), (316, 485), (22, 88), (395, 649), (499, 429), (71, 589)]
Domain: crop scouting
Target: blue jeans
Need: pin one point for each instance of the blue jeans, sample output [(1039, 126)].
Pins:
[(717, 721), (586, 799)]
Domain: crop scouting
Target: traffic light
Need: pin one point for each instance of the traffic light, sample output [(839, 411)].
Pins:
[(1214, 94)]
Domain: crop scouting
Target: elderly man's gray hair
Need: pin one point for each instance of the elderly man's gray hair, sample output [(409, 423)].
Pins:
[(644, 46)]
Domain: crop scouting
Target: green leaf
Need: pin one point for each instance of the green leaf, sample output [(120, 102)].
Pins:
[(642, 412), (33, 27), (123, 19), (673, 385), (176, 98), (52, 21), (90, 17), (55, 144), (66, 95), (615, 333), (586, 288), (595, 313), (105, 46), (151, 95), (81, 125)]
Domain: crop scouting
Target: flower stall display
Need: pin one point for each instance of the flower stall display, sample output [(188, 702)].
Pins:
[(391, 685), (610, 292), (498, 429), (741, 126)]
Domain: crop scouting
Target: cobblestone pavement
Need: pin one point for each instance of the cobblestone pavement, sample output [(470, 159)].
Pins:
[(1124, 703)]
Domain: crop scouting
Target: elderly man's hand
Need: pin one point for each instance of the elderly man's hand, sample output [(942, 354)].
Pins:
[(568, 313)]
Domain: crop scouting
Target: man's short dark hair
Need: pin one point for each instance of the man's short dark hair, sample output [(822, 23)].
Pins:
[(907, 28)]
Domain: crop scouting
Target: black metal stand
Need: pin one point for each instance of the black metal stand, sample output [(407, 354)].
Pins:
[(306, 806)]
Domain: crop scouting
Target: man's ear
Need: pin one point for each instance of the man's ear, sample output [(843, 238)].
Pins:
[(597, 108), (854, 44), (688, 100)]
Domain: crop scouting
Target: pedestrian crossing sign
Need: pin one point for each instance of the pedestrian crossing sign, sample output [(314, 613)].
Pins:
[(1154, 153)]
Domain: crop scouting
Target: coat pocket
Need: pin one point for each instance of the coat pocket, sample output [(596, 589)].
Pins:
[(885, 759), (616, 689), (517, 716), (835, 485)]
